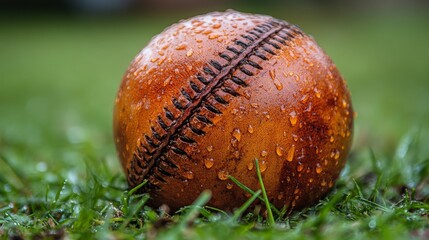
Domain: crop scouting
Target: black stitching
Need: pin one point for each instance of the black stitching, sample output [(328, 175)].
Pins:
[(273, 44), (269, 26), (197, 131), (255, 34), (204, 119), (258, 30), (156, 134), (241, 43), (212, 108), (219, 99), (168, 162), (194, 87), (268, 50), (216, 65), (159, 177), (162, 171), (232, 49), (230, 91), (177, 104), (238, 81), (279, 40), (162, 123), (139, 164), (225, 56), (202, 79), (248, 38), (186, 95), (150, 141), (187, 139), (245, 71), (253, 64), (261, 56), (169, 114), (178, 150), (209, 71)]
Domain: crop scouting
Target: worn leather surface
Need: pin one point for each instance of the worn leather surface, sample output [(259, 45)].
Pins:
[(210, 94)]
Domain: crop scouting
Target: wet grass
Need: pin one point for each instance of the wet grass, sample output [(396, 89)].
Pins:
[(59, 175)]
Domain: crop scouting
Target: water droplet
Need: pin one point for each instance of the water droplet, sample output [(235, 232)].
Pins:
[(318, 168), (278, 84), (189, 175), (255, 105), (266, 115), (263, 166), (323, 183), (250, 129), (331, 139), (189, 53), (295, 137), (344, 103), (181, 46), (167, 81), (223, 175), (310, 180), (293, 118), (317, 92), (264, 153), (279, 150), (216, 25), (246, 94), (214, 36), (290, 153), (209, 162), (237, 134), (207, 32), (250, 166), (337, 155), (296, 191), (272, 73), (229, 185), (234, 111), (209, 148), (300, 167)]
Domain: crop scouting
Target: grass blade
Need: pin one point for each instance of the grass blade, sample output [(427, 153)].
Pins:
[(245, 206), (250, 191), (271, 220), (193, 212)]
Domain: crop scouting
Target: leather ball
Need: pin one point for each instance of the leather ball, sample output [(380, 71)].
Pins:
[(211, 94)]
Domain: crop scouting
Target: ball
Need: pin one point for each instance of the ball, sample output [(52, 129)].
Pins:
[(209, 95)]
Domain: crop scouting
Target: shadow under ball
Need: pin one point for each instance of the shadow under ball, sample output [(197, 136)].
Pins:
[(210, 94)]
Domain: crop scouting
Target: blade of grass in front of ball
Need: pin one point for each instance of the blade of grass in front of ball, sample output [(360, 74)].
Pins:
[(195, 208), (134, 211), (126, 197), (271, 220), (240, 211), (250, 191)]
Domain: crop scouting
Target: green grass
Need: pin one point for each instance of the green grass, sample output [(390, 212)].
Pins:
[(60, 177)]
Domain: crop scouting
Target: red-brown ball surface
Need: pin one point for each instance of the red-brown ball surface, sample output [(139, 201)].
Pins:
[(210, 94)]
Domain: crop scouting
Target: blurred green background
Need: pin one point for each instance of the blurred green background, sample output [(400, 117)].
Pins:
[(61, 63)]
